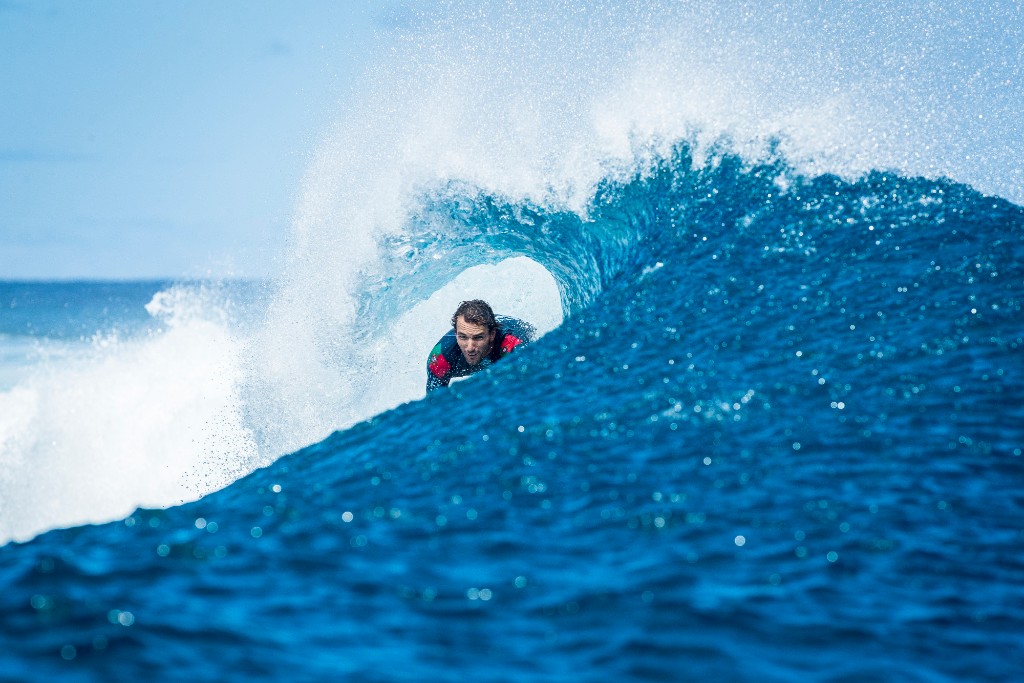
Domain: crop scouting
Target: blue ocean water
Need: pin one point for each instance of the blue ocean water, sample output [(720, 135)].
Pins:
[(42, 318), (74, 310), (777, 437)]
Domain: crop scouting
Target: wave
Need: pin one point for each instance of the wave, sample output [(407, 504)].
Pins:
[(214, 393), (572, 155), (781, 408)]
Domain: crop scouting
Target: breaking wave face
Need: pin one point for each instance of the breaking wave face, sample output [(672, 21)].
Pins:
[(472, 162)]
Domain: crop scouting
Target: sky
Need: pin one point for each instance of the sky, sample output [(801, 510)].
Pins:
[(167, 139)]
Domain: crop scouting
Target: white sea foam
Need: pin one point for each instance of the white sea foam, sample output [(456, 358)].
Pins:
[(90, 435)]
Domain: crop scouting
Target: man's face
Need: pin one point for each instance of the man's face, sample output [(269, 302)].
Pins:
[(474, 340)]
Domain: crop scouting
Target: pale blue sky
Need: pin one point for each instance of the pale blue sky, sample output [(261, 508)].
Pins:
[(156, 139)]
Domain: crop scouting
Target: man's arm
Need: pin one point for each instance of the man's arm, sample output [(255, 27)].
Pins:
[(438, 367)]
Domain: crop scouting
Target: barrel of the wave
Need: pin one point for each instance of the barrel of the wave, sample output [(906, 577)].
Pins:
[(477, 340)]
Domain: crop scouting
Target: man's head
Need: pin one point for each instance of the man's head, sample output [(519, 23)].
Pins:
[(475, 330)]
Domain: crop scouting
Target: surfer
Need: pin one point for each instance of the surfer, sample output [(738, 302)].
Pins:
[(477, 339)]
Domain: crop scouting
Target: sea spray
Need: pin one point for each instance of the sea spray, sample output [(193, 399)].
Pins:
[(126, 421)]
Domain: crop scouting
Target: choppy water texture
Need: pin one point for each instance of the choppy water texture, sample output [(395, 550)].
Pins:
[(781, 442)]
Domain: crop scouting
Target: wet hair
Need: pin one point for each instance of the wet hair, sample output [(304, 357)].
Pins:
[(476, 312)]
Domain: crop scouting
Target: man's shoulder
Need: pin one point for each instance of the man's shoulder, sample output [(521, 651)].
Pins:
[(515, 333)]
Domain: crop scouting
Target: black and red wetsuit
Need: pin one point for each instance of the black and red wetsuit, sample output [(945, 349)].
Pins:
[(446, 361)]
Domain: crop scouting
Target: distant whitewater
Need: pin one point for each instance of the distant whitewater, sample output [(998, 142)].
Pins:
[(772, 430)]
